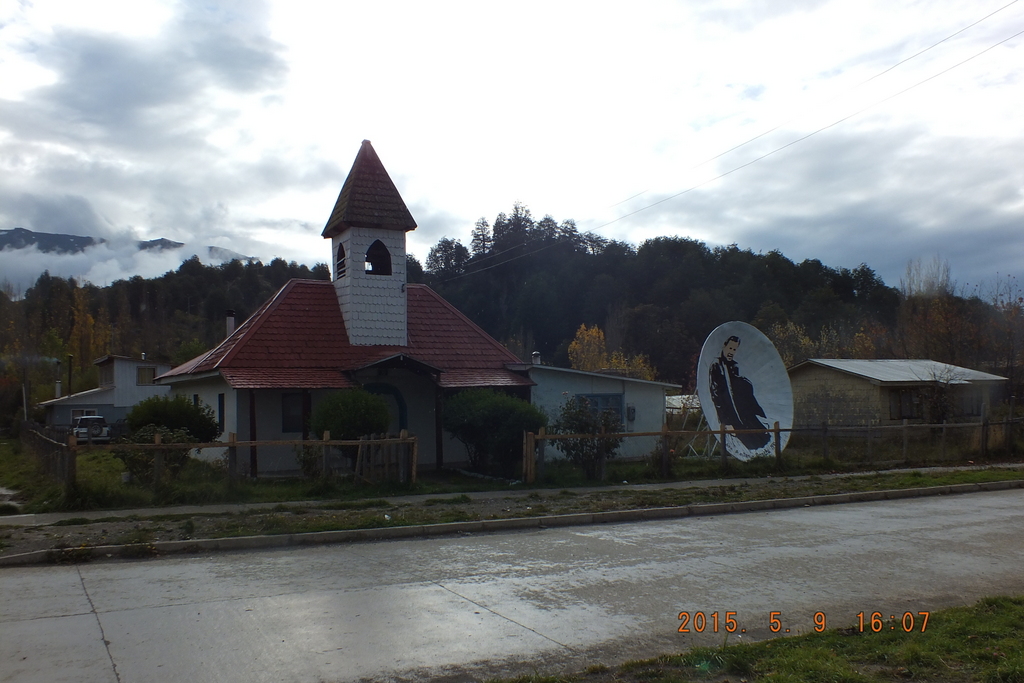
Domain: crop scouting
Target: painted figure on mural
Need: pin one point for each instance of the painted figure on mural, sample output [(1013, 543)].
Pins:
[(733, 396)]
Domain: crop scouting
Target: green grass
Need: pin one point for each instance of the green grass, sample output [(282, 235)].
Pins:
[(982, 643), (200, 483)]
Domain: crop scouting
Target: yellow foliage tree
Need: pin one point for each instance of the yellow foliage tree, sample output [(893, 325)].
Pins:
[(587, 350)]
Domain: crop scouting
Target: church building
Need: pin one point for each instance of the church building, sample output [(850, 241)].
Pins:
[(366, 328)]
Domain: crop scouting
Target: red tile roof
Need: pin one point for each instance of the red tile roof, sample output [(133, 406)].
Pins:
[(297, 339), (369, 199)]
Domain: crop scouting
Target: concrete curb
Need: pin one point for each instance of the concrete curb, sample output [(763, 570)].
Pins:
[(160, 548)]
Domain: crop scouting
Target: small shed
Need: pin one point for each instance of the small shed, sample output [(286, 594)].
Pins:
[(844, 391)]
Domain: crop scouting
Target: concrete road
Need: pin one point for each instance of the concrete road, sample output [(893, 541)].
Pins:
[(506, 603)]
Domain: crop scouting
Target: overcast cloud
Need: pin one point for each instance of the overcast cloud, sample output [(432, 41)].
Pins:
[(233, 124)]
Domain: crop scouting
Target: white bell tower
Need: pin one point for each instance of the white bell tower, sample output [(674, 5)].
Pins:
[(367, 232)]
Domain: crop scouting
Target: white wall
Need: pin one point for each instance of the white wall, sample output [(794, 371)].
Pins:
[(556, 385)]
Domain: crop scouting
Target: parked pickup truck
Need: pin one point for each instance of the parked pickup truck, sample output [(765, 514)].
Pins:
[(92, 428)]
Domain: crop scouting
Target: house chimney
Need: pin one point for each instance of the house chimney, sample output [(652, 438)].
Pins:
[(56, 391), (536, 357), (229, 316), (143, 355)]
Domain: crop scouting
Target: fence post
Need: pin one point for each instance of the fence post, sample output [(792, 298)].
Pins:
[(943, 440), (664, 450), (1009, 437), (529, 455), (415, 458), (778, 446), (323, 453), (906, 436), (824, 440), (232, 458), (158, 461), (360, 460), (984, 436), (725, 450), (71, 469), (539, 474)]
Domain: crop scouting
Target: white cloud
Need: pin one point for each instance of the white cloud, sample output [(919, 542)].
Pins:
[(234, 123)]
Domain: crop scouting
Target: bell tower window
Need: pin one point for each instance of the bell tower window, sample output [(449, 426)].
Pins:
[(339, 271), (378, 259)]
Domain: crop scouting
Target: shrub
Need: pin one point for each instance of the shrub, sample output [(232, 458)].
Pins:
[(350, 414), (139, 464), (576, 417), (175, 412), (491, 424)]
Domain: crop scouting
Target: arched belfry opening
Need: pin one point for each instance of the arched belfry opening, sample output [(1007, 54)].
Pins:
[(378, 259), (371, 220), (339, 268)]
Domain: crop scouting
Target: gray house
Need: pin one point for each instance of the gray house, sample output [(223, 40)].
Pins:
[(640, 404), (124, 382)]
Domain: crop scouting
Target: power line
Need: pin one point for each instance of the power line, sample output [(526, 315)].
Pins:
[(767, 154), (853, 89), (811, 134)]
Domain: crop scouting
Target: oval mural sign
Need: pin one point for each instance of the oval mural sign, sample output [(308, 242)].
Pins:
[(743, 384)]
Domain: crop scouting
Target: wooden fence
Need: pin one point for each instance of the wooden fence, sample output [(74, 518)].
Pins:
[(879, 445), (375, 458)]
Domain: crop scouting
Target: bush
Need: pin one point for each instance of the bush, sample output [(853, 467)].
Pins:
[(491, 424), (350, 414), (576, 417), (139, 464), (175, 412)]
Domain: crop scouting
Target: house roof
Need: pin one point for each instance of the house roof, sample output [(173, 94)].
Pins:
[(297, 339), (902, 372), (369, 199), (87, 397), (532, 367)]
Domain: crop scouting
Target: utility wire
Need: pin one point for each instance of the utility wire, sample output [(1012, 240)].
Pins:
[(854, 88), (811, 134), (756, 159)]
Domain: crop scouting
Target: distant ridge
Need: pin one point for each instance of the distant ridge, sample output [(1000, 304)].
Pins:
[(58, 243)]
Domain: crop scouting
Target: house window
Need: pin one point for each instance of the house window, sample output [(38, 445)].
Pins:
[(81, 412), (106, 375), (145, 376), (904, 404), (195, 399), (600, 403), (220, 413), (291, 413), (378, 259), (339, 269)]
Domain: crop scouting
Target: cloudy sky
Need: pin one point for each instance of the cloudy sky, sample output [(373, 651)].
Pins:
[(845, 130)]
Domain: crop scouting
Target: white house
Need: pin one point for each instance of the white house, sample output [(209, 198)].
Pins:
[(124, 382)]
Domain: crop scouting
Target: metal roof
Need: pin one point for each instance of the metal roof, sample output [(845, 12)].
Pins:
[(898, 371)]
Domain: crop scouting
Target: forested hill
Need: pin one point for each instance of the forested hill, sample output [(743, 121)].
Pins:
[(531, 284)]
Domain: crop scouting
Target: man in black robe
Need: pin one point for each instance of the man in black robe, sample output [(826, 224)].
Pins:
[(733, 396)]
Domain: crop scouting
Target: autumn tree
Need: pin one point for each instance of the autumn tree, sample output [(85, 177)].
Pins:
[(587, 350)]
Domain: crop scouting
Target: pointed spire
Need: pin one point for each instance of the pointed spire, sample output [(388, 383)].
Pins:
[(368, 198)]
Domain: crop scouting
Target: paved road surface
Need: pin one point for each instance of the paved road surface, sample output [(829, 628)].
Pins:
[(500, 603)]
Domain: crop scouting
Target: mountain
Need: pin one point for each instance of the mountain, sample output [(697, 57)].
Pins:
[(49, 243), (57, 243), (20, 238)]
